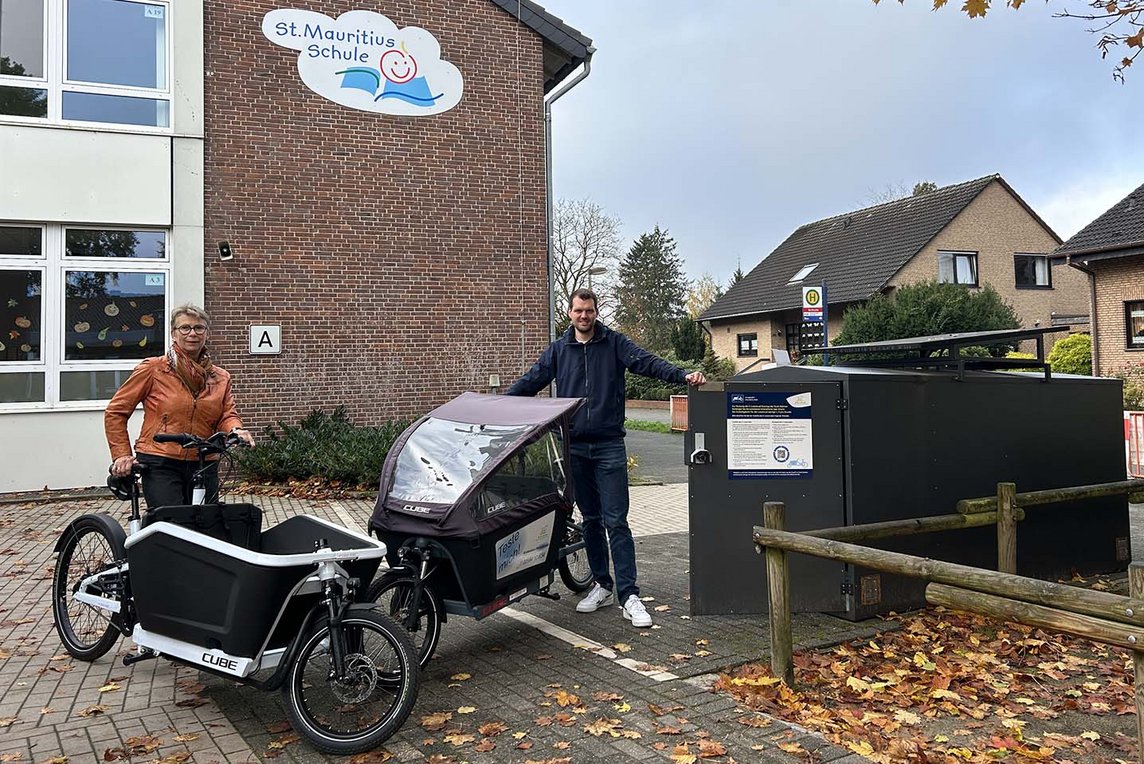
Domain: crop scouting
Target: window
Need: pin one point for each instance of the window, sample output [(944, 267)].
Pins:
[(800, 337), (957, 268), (55, 64), (1134, 325), (79, 307), (749, 344), (1032, 272), (803, 272)]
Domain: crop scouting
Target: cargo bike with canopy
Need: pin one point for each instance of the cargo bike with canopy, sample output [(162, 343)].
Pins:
[(476, 509)]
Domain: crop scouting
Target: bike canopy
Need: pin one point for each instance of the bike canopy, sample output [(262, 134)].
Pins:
[(476, 464)]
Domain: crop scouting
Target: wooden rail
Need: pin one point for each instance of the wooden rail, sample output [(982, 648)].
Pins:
[(1100, 616)]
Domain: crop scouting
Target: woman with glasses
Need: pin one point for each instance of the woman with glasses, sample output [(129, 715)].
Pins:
[(181, 392)]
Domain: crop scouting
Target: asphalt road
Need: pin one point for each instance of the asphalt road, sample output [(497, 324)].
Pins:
[(659, 455)]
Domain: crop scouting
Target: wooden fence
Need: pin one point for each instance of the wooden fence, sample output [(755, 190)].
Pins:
[(1100, 616)]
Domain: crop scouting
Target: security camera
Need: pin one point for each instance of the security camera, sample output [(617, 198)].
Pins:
[(700, 455)]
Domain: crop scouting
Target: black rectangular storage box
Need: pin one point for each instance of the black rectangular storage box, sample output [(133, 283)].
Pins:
[(892, 444), (215, 595)]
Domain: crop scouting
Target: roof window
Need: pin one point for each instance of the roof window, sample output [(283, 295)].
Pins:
[(803, 272)]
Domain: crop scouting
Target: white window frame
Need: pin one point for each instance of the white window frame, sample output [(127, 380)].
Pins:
[(54, 266), (55, 68)]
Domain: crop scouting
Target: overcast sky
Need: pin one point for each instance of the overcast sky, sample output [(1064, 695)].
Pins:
[(731, 123)]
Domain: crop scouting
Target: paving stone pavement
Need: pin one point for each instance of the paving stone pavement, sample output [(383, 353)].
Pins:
[(651, 685)]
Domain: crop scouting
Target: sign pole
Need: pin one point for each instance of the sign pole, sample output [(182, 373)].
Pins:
[(825, 326)]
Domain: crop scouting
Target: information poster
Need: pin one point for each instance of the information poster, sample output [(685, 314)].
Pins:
[(769, 436)]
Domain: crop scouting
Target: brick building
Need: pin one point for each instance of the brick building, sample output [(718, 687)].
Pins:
[(1110, 251), (974, 233), (394, 241)]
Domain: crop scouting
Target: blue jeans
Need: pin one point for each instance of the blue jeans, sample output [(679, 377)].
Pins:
[(600, 479)]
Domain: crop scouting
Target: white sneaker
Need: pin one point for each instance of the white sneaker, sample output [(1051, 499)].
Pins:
[(635, 612), (597, 598)]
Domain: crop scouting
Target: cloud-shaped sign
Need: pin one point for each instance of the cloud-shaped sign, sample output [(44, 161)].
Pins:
[(363, 61)]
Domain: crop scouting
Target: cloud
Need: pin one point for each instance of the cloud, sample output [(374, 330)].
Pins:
[(363, 61), (1070, 208)]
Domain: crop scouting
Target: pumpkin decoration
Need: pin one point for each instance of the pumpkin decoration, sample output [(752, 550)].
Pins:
[(23, 322), (147, 320), (82, 326), (112, 309)]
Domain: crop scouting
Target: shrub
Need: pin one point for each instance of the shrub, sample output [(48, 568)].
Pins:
[(1133, 376), (322, 445), (640, 388), (1072, 355)]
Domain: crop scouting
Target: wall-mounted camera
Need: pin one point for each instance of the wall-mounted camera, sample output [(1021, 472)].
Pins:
[(700, 455), (224, 252)]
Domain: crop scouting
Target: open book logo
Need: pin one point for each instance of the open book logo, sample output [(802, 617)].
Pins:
[(363, 61)]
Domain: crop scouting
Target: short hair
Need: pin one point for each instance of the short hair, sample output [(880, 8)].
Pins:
[(583, 294), (187, 309)]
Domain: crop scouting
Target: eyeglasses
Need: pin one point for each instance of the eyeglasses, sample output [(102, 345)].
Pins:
[(186, 329)]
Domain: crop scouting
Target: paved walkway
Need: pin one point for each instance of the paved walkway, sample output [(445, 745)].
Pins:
[(515, 670)]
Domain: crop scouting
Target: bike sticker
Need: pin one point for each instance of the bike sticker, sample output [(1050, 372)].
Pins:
[(525, 547)]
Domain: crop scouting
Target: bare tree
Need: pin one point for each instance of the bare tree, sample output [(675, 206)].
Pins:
[(585, 254)]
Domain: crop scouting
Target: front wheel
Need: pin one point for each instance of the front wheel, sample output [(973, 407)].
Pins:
[(393, 593), (89, 546), (574, 569), (362, 709)]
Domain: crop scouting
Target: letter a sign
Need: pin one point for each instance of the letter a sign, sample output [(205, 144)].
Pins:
[(265, 340)]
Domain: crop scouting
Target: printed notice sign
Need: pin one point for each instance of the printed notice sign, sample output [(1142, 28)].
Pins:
[(769, 436), (524, 548)]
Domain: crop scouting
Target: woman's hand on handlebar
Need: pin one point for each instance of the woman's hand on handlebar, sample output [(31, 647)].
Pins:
[(121, 467), (243, 435)]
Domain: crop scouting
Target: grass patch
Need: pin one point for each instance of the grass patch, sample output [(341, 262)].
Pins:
[(646, 426)]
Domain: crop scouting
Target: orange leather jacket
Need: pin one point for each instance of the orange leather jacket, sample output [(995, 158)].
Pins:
[(168, 408)]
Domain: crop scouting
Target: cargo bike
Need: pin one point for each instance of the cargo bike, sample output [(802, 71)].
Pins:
[(205, 586), (476, 509)]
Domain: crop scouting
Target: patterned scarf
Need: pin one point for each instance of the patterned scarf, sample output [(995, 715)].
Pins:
[(193, 374)]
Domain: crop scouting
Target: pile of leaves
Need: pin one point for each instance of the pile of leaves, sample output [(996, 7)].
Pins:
[(953, 687)]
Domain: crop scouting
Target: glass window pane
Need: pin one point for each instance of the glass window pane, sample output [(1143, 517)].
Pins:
[(531, 474), (83, 242), (91, 385), (112, 315), (20, 316), (1135, 313), (945, 267), (22, 38), (22, 387), (119, 110), (136, 32), (1042, 270), (23, 102), (21, 240), (966, 269)]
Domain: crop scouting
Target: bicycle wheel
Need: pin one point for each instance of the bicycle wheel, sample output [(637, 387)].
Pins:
[(393, 593), (87, 547), (574, 569), (360, 711)]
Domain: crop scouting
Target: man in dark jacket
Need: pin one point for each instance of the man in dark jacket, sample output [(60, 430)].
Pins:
[(588, 361)]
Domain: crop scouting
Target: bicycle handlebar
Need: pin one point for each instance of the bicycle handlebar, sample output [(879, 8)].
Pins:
[(219, 443)]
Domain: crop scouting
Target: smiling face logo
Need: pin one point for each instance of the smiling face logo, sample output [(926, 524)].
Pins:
[(363, 61), (398, 66)]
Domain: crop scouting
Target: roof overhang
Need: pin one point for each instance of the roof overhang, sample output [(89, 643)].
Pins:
[(565, 48)]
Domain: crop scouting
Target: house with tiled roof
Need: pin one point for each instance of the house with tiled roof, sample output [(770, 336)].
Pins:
[(974, 233), (1110, 252)]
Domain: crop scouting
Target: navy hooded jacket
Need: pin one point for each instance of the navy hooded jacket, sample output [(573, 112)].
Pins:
[(594, 371)]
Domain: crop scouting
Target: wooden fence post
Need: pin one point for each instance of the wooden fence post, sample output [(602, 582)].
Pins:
[(1007, 528), (1136, 592), (778, 589)]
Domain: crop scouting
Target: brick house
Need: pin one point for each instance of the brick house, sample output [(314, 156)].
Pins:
[(400, 256), (1110, 252), (974, 233)]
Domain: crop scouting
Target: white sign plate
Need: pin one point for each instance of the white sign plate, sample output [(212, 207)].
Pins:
[(363, 61), (265, 340)]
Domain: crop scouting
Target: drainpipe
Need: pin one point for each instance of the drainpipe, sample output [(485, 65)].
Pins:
[(1092, 312), (548, 179)]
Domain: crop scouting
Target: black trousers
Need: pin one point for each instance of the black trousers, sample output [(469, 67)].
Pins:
[(170, 482)]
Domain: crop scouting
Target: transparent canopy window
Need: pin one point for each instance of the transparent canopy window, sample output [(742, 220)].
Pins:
[(441, 459)]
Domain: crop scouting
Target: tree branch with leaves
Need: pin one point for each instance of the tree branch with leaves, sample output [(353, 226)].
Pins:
[(1117, 22)]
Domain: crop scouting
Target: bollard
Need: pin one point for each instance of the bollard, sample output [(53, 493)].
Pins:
[(778, 589)]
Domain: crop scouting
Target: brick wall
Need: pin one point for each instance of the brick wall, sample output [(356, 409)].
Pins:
[(1117, 281), (403, 257)]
